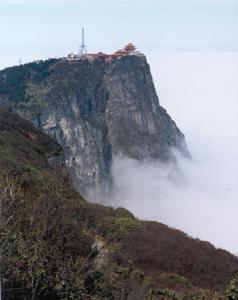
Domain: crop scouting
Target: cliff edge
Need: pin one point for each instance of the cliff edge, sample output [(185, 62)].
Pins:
[(55, 245), (98, 107)]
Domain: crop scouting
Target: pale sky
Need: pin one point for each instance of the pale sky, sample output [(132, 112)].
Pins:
[(191, 46), (32, 29), (200, 92)]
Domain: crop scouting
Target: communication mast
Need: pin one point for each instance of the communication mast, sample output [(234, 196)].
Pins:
[(82, 48)]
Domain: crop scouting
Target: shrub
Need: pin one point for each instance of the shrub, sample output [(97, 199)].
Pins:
[(232, 289)]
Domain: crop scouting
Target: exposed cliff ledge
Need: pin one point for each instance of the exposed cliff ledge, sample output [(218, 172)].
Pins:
[(98, 107), (49, 151), (55, 245)]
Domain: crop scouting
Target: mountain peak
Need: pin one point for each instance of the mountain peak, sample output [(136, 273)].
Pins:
[(98, 108)]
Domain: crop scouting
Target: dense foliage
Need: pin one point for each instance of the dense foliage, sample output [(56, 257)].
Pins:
[(13, 80), (55, 245), (232, 289)]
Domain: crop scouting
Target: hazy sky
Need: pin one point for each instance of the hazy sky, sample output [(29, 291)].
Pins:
[(33, 29), (200, 92), (191, 46)]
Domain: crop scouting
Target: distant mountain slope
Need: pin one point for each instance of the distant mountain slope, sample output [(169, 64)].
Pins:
[(98, 107), (55, 245)]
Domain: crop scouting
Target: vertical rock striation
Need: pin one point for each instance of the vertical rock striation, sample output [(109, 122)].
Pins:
[(98, 108)]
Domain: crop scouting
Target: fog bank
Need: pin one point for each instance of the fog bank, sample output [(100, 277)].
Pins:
[(200, 197)]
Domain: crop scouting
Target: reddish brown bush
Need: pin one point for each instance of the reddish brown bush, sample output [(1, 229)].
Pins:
[(157, 249)]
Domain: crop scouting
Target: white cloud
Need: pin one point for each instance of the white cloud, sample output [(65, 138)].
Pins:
[(201, 197)]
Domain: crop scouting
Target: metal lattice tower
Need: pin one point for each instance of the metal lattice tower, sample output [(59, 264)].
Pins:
[(82, 48)]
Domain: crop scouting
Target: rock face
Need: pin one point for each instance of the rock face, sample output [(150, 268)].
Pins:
[(29, 140), (74, 249), (98, 107)]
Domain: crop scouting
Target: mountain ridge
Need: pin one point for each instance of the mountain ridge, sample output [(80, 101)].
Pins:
[(98, 108), (58, 246)]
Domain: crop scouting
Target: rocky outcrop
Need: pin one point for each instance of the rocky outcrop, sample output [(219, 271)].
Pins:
[(55, 245), (29, 141), (97, 107)]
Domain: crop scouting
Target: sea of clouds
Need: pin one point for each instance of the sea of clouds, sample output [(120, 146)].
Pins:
[(200, 197)]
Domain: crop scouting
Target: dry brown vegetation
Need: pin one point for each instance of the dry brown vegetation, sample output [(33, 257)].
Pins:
[(47, 234), (158, 249)]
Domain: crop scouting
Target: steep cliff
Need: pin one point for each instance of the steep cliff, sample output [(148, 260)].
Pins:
[(55, 245), (97, 107)]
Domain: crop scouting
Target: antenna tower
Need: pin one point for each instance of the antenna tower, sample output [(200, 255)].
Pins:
[(82, 48)]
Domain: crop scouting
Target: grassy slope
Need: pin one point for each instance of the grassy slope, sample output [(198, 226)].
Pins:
[(48, 232)]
